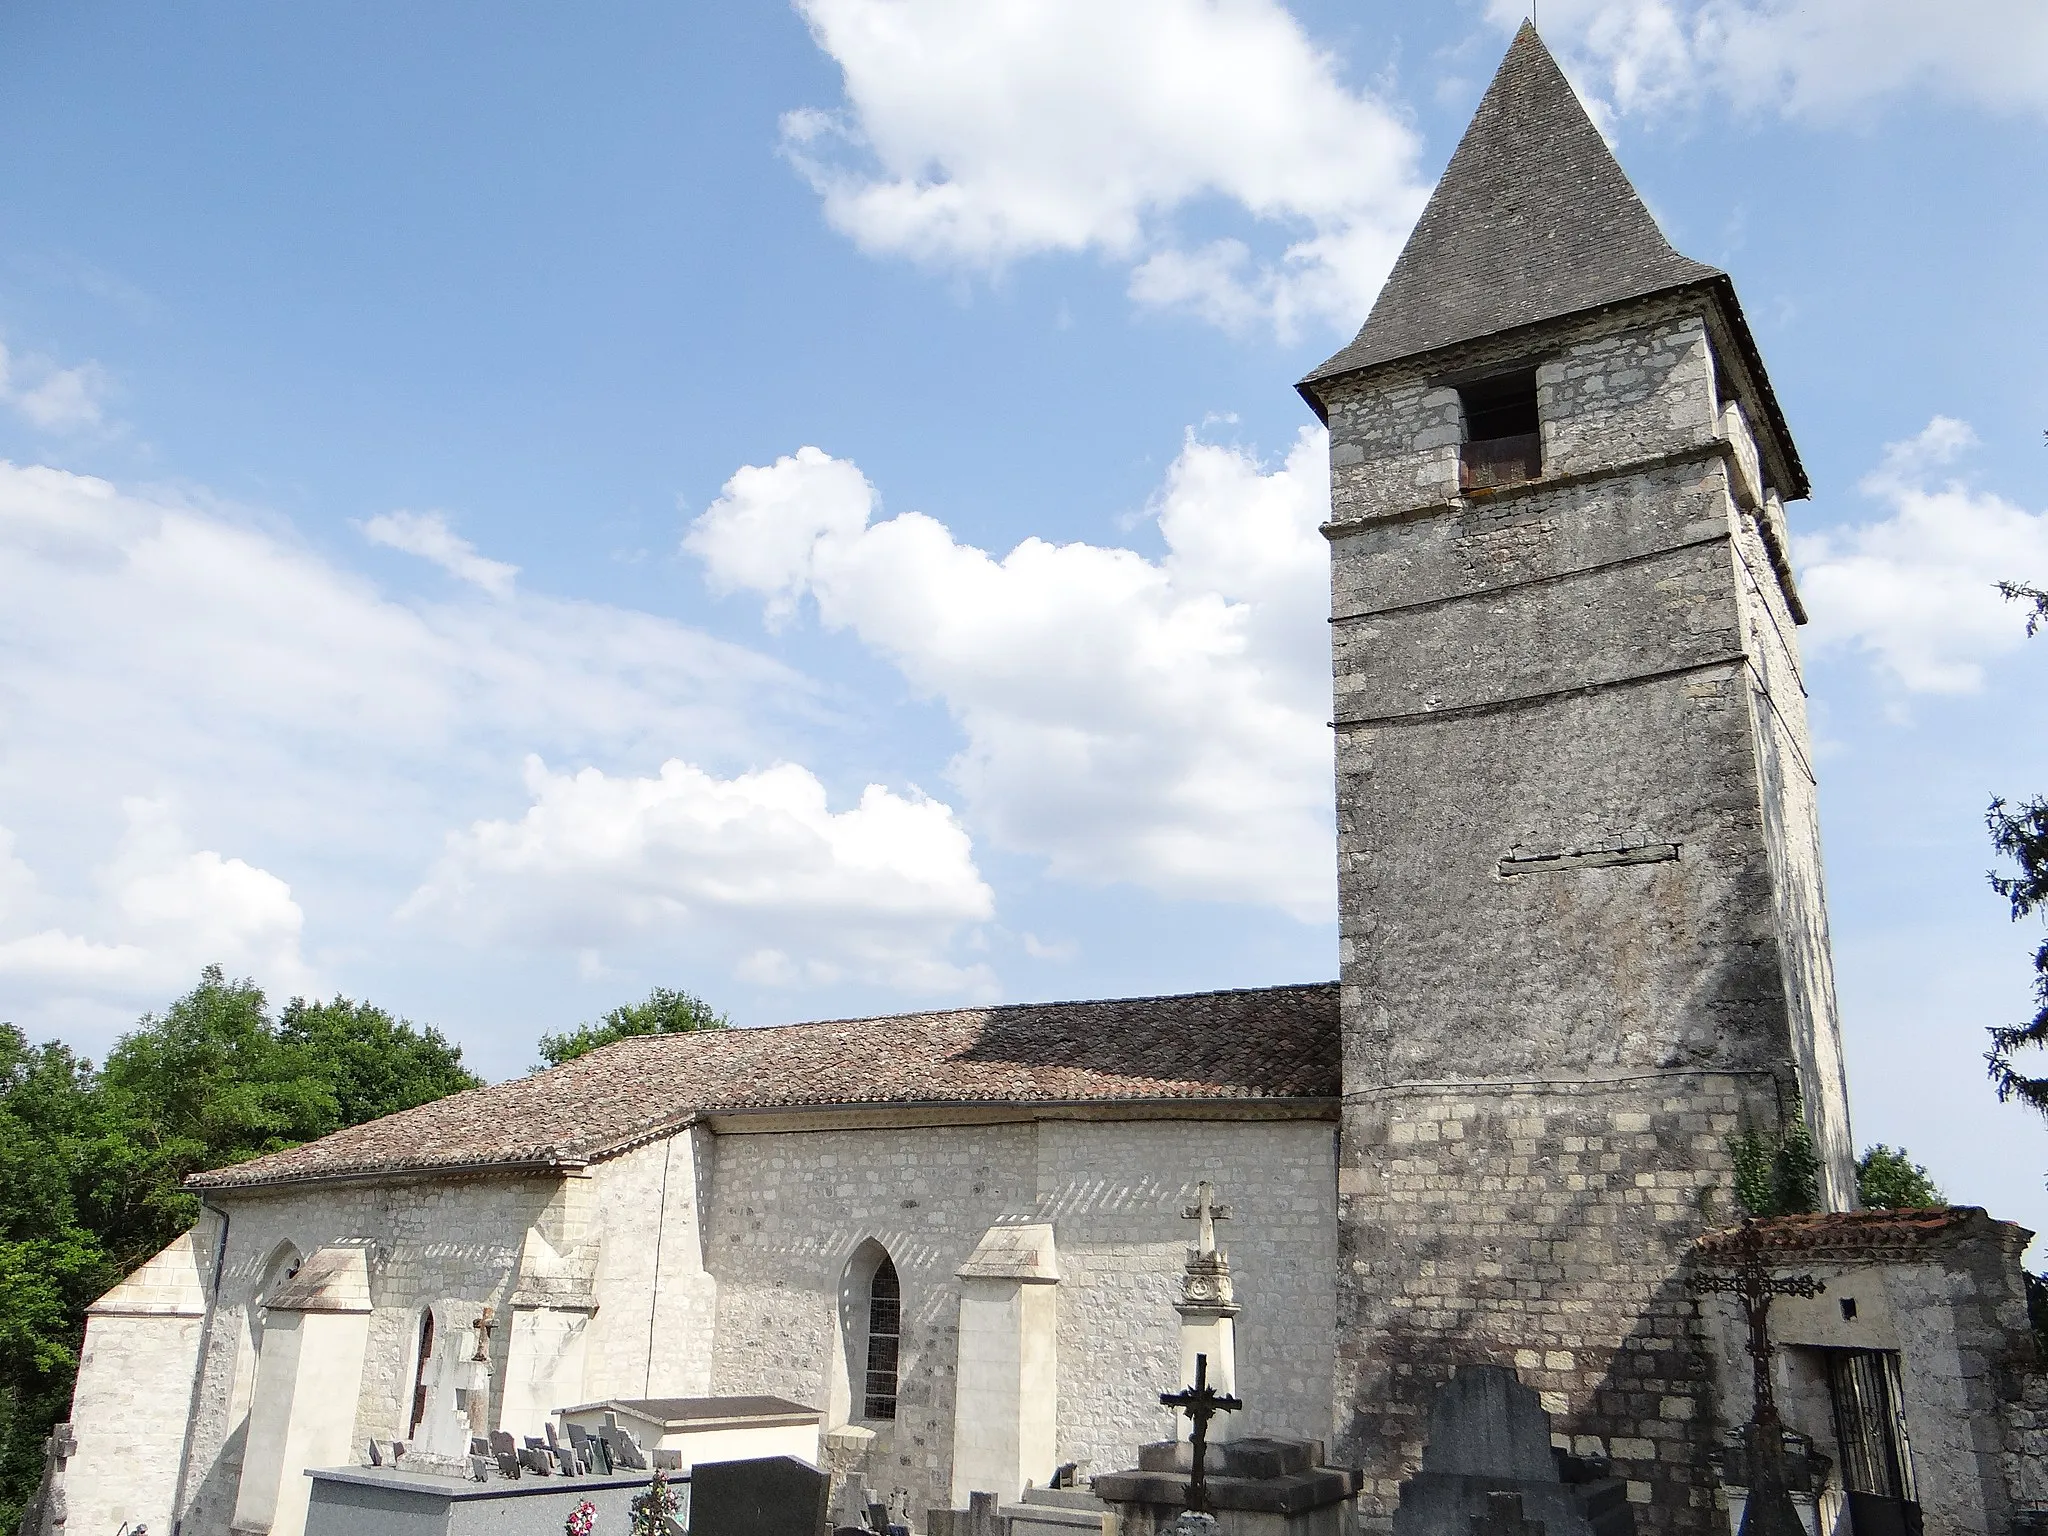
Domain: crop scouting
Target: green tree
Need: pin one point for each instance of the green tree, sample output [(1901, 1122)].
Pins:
[(665, 1012), (1887, 1179), (2020, 833), (373, 1065), (52, 1264), (93, 1162)]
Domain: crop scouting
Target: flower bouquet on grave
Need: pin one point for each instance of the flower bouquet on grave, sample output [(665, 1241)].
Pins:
[(582, 1520), (654, 1512)]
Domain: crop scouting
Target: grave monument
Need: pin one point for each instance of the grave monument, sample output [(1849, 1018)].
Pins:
[(1241, 1484), (1489, 1458)]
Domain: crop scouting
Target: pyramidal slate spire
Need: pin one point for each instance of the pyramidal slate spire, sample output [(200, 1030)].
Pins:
[(1533, 220)]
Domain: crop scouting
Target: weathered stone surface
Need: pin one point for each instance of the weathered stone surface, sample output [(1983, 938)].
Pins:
[(1551, 1034)]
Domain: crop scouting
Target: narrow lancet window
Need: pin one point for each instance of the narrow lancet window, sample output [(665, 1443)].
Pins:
[(419, 1375), (885, 1323), (1503, 439)]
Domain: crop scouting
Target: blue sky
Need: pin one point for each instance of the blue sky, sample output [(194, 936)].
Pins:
[(412, 583)]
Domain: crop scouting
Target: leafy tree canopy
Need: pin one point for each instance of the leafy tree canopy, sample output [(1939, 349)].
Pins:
[(2020, 833), (1887, 1179), (92, 1161), (666, 1011)]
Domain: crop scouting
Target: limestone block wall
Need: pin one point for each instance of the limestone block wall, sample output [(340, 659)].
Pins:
[(134, 1390), (788, 1213), (134, 1382), (790, 1210), (1115, 1193), (657, 1304), (1582, 936), (1541, 1226), (425, 1240)]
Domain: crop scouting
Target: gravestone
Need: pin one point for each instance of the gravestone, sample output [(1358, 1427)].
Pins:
[(771, 1496), (623, 1445), (1489, 1436)]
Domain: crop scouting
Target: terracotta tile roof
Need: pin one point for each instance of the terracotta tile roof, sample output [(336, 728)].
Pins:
[(1871, 1236), (1271, 1043)]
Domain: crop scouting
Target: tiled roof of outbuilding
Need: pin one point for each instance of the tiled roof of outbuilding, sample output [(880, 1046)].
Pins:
[(1270, 1043), (1533, 220), (1847, 1236)]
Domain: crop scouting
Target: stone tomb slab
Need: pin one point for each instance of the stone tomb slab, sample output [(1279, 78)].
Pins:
[(772, 1496), (383, 1501)]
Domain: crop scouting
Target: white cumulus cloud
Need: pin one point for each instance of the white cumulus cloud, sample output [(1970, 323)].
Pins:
[(757, 868), (53, 398), (161, 911), (1917, 589), (1813, 58), (973, 135), (202, 655), (428, 535), (1156, 721)]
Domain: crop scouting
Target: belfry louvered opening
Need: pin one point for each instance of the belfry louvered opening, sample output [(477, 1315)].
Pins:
[(1503, 436)]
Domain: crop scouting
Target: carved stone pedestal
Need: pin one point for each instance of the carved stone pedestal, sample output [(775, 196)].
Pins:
[(1256, 1487)]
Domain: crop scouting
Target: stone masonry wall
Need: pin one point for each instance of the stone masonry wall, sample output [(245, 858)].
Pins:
[(1792, 836), (790, 1210), (651, 1335), (427, 1240), (134, 1384), (1575, 897)]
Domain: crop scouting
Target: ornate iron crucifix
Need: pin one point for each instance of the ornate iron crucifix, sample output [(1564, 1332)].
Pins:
[(1200, 1403), (1751, 1281)]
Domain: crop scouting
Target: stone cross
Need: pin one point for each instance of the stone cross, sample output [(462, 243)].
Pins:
[(1200, 1403), (482, 1328), (1208, 1213), (1751, 1282)]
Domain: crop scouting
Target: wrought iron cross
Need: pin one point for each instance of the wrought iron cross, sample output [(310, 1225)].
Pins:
[(1200, 1403), (1208, 1213), (1752, 1282)]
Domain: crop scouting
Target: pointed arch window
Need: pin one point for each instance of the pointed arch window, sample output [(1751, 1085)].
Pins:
[(885, 1331), (419, 1375)]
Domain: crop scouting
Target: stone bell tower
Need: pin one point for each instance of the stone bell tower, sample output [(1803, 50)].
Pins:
[(1584, 936)]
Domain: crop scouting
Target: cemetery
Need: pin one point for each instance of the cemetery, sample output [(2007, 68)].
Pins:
[(1447, 1247)]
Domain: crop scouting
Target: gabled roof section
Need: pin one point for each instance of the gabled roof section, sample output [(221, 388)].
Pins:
[(1534, 220), (1271, 1043)]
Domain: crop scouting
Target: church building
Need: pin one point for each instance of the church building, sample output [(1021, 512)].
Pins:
[(1584, 952)]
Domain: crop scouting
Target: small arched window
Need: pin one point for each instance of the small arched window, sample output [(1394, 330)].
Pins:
[(885, 1329)]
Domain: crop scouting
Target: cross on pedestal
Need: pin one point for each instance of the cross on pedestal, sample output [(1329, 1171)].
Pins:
[(1200, 1403), (1208, 1213), (482, 1329), (1751, 1281)]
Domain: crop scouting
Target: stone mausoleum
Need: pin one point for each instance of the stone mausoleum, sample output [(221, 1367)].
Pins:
[(1584, 947)]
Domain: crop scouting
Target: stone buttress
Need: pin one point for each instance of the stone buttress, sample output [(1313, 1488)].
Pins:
[(1584, 940)]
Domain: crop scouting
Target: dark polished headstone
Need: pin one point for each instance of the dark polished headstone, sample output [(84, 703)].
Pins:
[(771, 1496), (1488, 1437)]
